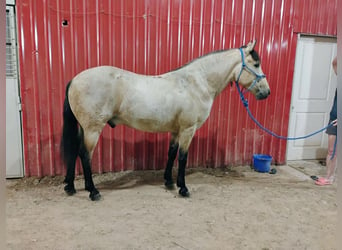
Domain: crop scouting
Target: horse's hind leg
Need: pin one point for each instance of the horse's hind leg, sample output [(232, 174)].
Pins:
[(70, 176), (173, 149), (71, 162), (70, 144), (90, 138), (185, 138)]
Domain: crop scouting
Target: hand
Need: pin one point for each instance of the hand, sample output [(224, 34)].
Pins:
[(334, 122)]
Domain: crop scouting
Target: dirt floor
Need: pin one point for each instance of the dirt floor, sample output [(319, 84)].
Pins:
[(228, 209)]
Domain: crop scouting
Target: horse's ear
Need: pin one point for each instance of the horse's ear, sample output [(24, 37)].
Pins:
[(250, 46)]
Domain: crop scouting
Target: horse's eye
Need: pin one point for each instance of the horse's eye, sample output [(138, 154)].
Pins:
[(257, 64)]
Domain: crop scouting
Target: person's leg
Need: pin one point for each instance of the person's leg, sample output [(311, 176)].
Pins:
[(331, 159)]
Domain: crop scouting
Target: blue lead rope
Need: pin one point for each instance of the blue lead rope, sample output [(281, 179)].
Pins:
[(245, 103)]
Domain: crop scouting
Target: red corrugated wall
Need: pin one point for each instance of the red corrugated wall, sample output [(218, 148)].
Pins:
[(59, 38)]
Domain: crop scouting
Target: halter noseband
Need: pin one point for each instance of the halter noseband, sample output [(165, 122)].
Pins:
[(244, 66)]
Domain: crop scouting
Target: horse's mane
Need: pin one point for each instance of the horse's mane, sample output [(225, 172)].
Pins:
[(200, 57), (253, 53)]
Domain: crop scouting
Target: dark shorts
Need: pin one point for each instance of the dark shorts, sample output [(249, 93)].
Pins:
[(332, 130)]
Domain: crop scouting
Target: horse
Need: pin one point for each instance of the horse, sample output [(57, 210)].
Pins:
[(178, 102)]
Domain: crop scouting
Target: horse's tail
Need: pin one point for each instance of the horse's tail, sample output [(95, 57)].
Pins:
[(70, 142)]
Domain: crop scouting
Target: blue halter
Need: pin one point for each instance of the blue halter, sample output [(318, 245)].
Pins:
[(244, 66)]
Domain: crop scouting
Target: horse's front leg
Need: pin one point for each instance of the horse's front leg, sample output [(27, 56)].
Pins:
[(173, 148), (182, 159), (184, 143)]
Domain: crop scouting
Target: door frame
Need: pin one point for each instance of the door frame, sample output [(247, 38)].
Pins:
[(290, 126), (14, 76)]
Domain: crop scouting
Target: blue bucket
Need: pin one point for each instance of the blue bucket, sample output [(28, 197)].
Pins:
[(262, 163)]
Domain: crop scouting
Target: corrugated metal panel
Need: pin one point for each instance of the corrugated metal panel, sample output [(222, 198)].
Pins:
[(310, 19), (59, 38)]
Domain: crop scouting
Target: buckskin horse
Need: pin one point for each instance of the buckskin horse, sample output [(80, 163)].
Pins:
[(178, 102)]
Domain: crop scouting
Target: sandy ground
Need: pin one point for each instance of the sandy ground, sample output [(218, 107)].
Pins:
[(228, 209)]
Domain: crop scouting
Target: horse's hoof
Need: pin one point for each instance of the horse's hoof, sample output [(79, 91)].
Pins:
[(183, 191), (95, 195), (169, 184), (70, 190)]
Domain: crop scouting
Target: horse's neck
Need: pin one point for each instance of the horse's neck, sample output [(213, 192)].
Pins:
[(215, 70)]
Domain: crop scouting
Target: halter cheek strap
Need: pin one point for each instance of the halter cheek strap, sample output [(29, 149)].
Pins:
[(258, 77)]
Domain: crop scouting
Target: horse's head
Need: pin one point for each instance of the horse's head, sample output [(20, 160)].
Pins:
[(249, 73)]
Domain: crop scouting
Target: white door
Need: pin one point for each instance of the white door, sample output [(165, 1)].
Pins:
[(314, 87), (14, 158)]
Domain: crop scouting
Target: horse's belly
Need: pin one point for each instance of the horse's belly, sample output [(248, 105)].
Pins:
[(148, 112), (149, 124)]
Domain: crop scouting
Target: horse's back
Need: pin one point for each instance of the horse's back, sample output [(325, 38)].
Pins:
[(101, 76)]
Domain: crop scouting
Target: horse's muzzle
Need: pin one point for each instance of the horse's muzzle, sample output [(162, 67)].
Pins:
[(263, 94)]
